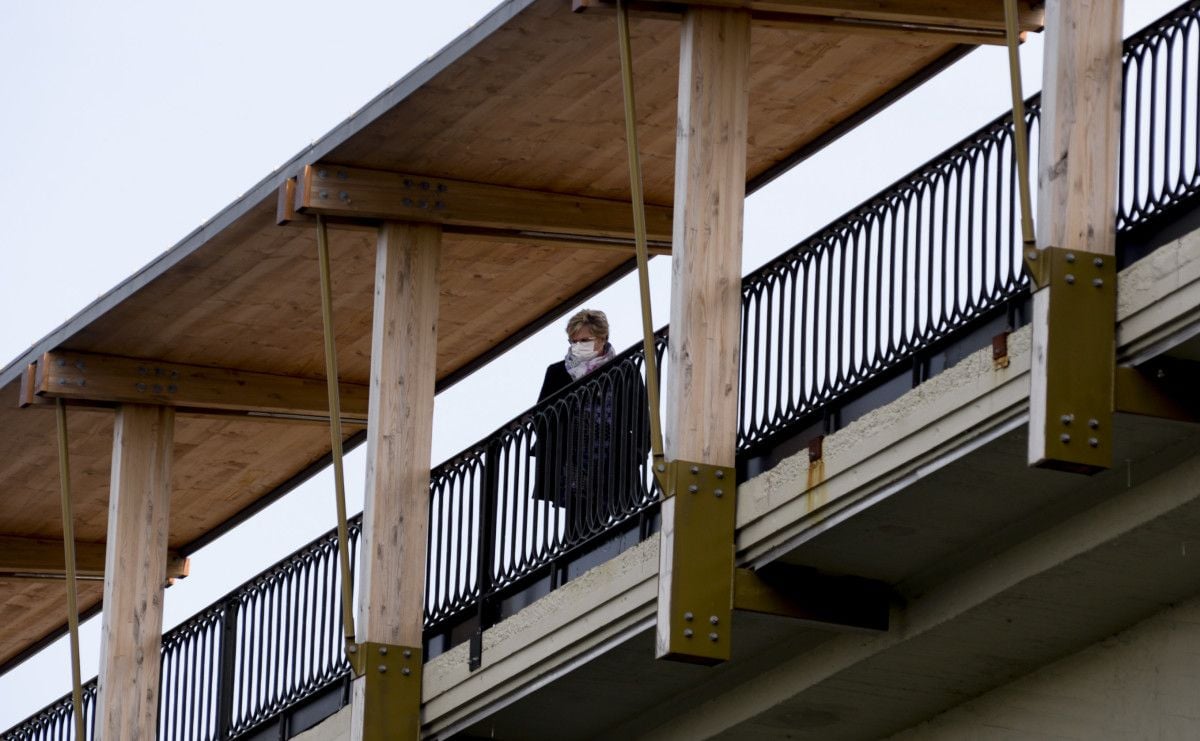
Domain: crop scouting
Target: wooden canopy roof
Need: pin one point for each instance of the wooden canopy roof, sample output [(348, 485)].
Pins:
[(528, 99)]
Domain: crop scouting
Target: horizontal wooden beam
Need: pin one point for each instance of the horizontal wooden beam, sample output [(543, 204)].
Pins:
[(42, 558), (954, 21), (92, 378), (805, 594), (340, 192)]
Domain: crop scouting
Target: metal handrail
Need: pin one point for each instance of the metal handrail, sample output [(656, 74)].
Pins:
[(919, 262)]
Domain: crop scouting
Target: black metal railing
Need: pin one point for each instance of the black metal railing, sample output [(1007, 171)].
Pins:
[(919, 262)]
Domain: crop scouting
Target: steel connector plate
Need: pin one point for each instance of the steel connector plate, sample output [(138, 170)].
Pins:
[(1074, 360), (696, 564), (392, 690)]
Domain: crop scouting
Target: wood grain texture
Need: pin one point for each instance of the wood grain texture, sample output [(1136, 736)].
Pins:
[(135, 570), (113, 379), (706, 264), (1081, 125), (44, 556), (399, 435)]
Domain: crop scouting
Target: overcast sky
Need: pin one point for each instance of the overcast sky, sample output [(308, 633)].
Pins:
[(128, 124)]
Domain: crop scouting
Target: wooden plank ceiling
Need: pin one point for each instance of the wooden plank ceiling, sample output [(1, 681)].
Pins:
[(530, 100)]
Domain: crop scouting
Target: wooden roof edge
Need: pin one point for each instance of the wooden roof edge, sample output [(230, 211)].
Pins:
[(268, 187)]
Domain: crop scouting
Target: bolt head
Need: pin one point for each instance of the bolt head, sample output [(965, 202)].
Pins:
[(1094, 442), (688, 616), (1070, 257), (693, 488), (1032, 254), (713, 637), (1098, 282), (688, 633), (718, 493), (383, 650), (382, 668), (407, 654), (1094, 424), (695, 469), (660, 468), (1070, 279), (719, 474), (1098, 262), (714, 619), (1067, 419), (406, 671), (1064, 438)]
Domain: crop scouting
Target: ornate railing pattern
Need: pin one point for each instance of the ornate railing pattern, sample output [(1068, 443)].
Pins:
[(918, 262)]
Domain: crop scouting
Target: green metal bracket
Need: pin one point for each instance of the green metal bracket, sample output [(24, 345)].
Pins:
[(1071, 402), (695, 603), (1164, 387), (392, 695)]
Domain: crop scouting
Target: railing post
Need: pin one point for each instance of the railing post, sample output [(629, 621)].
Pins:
[(225, 669), (488, 511)]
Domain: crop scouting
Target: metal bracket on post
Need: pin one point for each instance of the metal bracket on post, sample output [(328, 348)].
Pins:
[(1071, 404), (392, 695), (695, 604)]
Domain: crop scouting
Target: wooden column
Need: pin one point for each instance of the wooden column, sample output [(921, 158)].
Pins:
[(702, 388), (1074, 306), (391, 592), (135, 573)]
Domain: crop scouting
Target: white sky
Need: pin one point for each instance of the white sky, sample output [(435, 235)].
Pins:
[(128, 124)]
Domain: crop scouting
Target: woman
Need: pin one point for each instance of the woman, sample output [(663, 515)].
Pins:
[(592, 438)]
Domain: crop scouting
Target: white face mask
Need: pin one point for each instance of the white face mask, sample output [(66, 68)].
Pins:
[(584, 350)]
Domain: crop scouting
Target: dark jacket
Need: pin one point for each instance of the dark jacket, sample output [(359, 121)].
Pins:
[(592, 441)]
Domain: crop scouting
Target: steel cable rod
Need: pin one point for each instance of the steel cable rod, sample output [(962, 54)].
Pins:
[(639, 231), (335, 434), (1020, 133), (68, 525)]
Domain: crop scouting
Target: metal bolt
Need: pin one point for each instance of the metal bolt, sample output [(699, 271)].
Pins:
[(660, 468), (324, 194), (382, 668), (1067, 419), (718, 493), (1098, 282), (1161, 373), (1070, 279), (695, 469), (714, 619), (157, 389), (693, 488), (1098, 262), (687, 633), (344, 196), (383, 650), (79, 364), (407, 654), (341, 175), (1032, 254), (438, 206), (141, 370), (1070, 257), (1065, 438), (353, 649), (713, 637), (62, 382), (141, 387), (60, 362), (1094, 424), (407, 201), (406, 671), (321, 173), (424, 185), (1094, 442), (407, 183), (441, 188), (172, 389), (688, 616), (82, 382)]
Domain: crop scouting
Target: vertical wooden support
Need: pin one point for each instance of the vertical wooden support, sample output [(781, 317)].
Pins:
[(135, 572), (391, 594), (1074, 308), (710, 189)]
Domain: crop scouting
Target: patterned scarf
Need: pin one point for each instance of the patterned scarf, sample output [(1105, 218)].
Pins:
[(580, 368)]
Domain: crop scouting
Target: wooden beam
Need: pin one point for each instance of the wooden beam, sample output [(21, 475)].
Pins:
[(1071, 402), (110, 379), (958, 21), (701, 424), (391, 594), (134, 572), (43, 557), (348, 192)]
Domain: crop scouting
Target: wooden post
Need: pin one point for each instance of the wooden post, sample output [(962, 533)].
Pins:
[(391, 593), (710, 189), (135, 573), (1074, 310)]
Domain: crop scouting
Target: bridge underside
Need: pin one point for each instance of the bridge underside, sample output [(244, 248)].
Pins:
[(996, 569)]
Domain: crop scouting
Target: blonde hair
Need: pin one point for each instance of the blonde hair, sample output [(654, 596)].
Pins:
[(590, 318)]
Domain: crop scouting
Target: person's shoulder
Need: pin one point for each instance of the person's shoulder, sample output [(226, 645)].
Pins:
[(556, 379)]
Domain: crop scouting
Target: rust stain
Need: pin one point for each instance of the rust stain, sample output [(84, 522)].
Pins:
[(816, 493)]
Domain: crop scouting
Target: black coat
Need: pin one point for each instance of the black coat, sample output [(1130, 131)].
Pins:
[(592, 441)]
